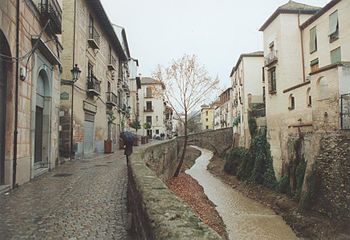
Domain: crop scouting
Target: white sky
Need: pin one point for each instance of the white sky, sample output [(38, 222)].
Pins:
[(217, 31)]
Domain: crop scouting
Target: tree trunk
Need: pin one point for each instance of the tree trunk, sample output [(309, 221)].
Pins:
[(178, 170)]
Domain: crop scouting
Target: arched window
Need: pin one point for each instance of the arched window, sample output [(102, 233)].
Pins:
[(308, 97), (323, 89), (291, 102)]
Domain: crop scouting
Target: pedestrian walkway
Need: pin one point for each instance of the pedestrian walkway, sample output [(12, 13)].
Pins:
[(82, 199)]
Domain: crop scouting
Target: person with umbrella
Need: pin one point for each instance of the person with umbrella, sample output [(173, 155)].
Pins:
[(128, 140)]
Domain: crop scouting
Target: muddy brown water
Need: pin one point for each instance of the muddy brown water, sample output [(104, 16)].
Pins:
[(244, 218)]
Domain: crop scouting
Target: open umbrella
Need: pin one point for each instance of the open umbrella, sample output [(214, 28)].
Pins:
[(127, 136)]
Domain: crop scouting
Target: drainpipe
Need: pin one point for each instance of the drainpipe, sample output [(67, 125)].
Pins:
[(14, 167), (72, 109), (302, 47)]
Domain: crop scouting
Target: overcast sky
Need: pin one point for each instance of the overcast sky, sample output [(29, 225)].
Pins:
[(217, 31)]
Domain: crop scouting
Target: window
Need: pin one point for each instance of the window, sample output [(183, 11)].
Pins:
[(291, 102), (272, 80), (156, 118), (206, 113), (149, 106), (206, 120), (308, 97), (157, 131), (91, 26), (149, 119), (314, 65), (206, 127), (148, 92), (333, 27), (335, 55), (313, 40)]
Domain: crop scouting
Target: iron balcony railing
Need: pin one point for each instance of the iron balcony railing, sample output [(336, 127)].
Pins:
[(51, 11), (271, 58), (112, 99), (93, 85), (94, 37)]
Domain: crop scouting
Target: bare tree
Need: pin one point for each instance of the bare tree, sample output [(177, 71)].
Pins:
[(188, 85)]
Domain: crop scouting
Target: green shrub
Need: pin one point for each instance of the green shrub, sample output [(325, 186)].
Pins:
[(233, 159), (283, 184), (253, 127), (299, 177)]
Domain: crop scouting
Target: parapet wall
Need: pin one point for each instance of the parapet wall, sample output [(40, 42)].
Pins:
[(156, 212)]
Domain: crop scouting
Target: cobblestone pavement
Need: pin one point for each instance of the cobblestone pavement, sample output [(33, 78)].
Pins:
[(82, 199)]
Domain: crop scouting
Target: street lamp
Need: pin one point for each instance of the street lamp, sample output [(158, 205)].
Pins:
[(75, 71)]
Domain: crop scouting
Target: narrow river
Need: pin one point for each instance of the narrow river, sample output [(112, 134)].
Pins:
[(244, 218)]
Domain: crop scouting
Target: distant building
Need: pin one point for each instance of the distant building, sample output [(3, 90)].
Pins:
[(152, 107), (248, 93), (226, 108), (207, 117)]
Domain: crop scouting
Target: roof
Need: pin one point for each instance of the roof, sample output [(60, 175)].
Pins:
[(319, 13), (252, 54), (290, 7), (151, 81), (106, 25)]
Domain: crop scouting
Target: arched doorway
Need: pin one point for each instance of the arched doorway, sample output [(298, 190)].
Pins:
[(5, 68), (42, 121)]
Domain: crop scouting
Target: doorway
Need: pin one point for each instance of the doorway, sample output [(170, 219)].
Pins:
[(5, 68), (89, 133)]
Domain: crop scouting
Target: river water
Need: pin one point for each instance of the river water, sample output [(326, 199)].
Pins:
[(244, 218)]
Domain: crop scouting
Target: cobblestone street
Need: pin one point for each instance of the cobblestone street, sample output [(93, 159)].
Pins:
[(83, 199)]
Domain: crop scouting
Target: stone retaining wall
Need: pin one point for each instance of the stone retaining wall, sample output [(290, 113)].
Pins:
[(156, 212)]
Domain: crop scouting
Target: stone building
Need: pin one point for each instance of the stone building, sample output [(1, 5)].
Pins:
[(248, 93), (98, 100), (32, 113), (152, 107)]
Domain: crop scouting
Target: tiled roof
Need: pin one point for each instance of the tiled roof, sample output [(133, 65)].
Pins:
[(291, 7)]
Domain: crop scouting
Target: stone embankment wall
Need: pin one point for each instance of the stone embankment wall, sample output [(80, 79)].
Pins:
[(327, 175), (333, 176), (156, 212)]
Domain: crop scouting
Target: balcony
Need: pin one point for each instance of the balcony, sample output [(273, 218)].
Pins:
[(112, 64), (93, 86), (112, 99), (271, 58), (148, 109), (51, 11), (94, 38)]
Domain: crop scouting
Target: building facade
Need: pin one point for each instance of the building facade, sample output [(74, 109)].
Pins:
[(94, 108), (152, 107), (29, 118), (248, 93), (225, 107), (207, 117), (283, 70)]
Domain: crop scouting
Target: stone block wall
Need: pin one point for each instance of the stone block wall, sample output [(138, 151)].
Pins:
[(156, 212), (332, 193)]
